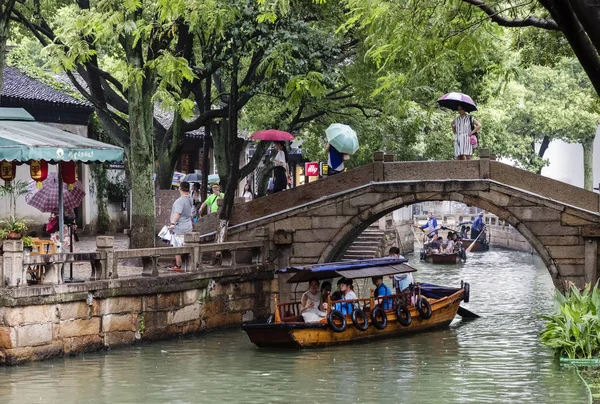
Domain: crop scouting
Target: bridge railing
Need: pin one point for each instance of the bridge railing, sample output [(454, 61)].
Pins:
[(453, 219), (19, 268)]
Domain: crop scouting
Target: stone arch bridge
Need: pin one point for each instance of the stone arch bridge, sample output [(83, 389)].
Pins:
[(318, 221)]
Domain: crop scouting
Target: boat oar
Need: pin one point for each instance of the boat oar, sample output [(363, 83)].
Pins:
[(468, 250), (464, 313)]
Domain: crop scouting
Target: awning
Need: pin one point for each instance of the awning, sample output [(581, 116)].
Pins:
[(22, 139), (350, 269)]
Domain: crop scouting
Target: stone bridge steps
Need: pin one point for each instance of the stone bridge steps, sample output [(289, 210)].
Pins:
[(367, 245)]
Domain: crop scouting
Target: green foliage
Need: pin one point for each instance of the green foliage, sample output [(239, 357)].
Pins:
[(13, 190), (574, 327), (27, 241), (14, 224)]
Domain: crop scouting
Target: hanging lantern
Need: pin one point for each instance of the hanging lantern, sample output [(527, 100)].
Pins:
[(39, 171), (8, 170), (69, 175)]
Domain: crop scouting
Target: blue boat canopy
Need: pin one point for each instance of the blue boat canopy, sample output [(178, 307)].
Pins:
[(349, 269)]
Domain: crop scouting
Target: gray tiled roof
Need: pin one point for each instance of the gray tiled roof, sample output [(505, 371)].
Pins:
[(17, 85)]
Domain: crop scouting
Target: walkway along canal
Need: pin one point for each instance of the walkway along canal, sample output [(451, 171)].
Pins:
[(495, 359)]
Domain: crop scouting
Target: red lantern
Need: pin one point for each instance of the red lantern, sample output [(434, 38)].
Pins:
[(8, 170), (39, 171), (69, 175)]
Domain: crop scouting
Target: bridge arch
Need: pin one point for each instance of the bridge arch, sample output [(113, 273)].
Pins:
[(347, 234)]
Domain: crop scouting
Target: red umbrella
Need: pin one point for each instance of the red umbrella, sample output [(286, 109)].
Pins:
[(46, 198), (273, 135)]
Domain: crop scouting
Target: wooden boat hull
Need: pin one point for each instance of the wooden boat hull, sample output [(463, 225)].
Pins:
[(314, 335), (478, 247), (445, 259)]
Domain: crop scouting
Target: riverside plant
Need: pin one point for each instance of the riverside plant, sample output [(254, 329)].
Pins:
[(573, 330)]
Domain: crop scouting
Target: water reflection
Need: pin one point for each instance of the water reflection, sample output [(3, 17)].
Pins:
[(495, 359)]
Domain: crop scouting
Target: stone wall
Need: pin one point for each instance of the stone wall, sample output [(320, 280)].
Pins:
[(84, 319), (508, 237)]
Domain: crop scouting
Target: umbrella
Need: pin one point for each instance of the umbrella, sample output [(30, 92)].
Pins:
[(193, 177), (46, 198), (342, 137), (453, 100), (273, 135)]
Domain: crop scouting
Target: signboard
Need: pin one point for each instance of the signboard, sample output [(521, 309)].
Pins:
[(324, 169), (311, 169), (177, 178)]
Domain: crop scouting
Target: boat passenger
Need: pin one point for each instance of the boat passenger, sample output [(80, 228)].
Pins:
[(338, 294), (346, 287), (325, 291), (450, 244), (310, 304), (433, 247), (400, 282), (381, 290)]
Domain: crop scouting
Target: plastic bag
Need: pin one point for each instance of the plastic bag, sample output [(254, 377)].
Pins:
[(177, 240), (165, 234)]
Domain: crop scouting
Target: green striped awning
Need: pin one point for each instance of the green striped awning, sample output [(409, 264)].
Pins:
[(24, 140)]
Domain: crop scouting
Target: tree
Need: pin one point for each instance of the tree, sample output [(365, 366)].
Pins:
[(576, 19), (6, 9), (118, 55)]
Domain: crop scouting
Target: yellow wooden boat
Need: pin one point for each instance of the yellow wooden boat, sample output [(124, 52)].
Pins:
[(424, 307)]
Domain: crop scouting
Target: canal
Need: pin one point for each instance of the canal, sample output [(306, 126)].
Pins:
[(495, 359)]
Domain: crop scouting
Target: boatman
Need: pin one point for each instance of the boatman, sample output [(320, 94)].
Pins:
[(477, 226), (430, 226)]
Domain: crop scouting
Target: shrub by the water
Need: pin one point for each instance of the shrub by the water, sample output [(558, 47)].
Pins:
[(573, 330)]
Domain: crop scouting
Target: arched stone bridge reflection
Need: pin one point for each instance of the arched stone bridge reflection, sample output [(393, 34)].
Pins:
[(318, 221)]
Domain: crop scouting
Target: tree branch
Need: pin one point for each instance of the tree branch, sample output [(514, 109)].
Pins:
[(530, 21)]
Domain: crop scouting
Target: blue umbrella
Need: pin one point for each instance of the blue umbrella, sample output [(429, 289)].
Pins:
[(342, 137)]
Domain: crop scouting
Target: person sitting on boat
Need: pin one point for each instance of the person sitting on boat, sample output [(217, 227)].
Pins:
[(477, 226), (431, 226), (433, 247), (450, 244), (310, 304), (380, 291), (338, 294), (325, 291), (400, 282), (347, 307)]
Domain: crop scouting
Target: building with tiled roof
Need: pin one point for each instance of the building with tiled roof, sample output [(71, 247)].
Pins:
[(44, 103)]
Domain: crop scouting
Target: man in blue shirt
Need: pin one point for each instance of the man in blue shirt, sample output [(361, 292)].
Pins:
[(477, 226), (430, 226), (335, 160), (380, 291)]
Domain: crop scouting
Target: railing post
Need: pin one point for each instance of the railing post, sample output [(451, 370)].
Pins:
[(484, 164), (106, 245), (15, 275), (194, 259), (378, 172)]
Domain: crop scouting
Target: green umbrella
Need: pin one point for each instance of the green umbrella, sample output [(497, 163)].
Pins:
[(342, 137)]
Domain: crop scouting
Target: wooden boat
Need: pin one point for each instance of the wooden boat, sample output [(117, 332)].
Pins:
[(444, 259), (407, 312), (478, 247)]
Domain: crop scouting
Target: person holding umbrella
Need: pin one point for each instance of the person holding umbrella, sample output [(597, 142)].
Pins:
[(281, 167), (342, 142), (464, 126)]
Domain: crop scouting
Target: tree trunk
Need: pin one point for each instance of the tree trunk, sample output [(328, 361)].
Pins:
[(588, 163), (222, 150), (233, 151), (542, 151), (167, 154), (208, 144), (141, 150)]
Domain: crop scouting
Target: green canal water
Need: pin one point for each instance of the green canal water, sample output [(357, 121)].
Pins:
[(495, 359)]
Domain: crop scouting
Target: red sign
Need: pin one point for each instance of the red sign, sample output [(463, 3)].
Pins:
[(311, 169)]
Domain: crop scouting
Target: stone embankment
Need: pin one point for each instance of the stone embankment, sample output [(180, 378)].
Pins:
[(50, 320)]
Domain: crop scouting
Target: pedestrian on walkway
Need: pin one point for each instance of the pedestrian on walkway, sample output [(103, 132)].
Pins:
[(181, 220), (281, 168), (335, 160), (464, 127), (211, 203)]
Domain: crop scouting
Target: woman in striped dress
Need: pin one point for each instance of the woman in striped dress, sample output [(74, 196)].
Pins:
[(461, 127)]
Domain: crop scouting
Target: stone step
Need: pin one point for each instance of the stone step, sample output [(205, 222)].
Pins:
[(369, 238), (362, 250), (372, 233), (366, 242), (350, 254)]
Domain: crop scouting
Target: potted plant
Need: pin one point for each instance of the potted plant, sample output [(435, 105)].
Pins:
[(14, 227), (27, 244)]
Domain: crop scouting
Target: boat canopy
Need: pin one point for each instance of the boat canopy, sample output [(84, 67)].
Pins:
[(349, 269)]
